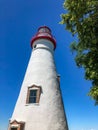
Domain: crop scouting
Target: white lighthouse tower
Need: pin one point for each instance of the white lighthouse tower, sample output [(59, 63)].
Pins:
[(39, 105)]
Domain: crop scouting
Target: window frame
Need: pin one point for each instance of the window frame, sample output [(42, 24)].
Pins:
[(15, 124), (38, 89)]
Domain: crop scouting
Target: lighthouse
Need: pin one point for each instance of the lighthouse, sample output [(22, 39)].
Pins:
[(39, 105)]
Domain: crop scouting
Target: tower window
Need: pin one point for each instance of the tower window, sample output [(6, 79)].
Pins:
[(58, 78), (15, 125), (35, 46), (33, 94)]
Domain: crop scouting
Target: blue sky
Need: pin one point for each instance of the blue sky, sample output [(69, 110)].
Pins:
[(19, 21)]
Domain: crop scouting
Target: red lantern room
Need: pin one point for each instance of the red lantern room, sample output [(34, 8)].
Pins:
[(44, 32)]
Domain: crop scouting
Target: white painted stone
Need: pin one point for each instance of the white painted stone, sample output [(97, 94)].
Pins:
[(48, 114)]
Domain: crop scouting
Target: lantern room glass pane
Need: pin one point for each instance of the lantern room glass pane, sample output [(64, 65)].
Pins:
[(44, 30)]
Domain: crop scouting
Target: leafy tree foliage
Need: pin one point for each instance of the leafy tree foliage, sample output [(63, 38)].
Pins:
[(81, 19)]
